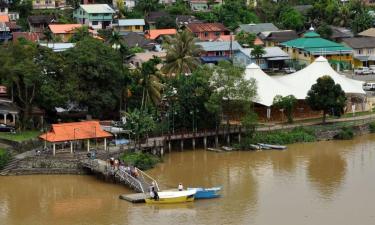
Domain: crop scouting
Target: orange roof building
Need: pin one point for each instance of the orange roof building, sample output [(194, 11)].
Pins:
[(154, 34), (64, 31), (69, 132), (4, 18)]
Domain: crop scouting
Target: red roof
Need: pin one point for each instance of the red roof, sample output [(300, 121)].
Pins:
[(153, 34), (206, 27), (75, 131), (63, 28), (4, 18)]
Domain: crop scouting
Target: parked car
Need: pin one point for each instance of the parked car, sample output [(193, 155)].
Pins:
[(289, 70), (369, 86), (362, 71), (6, 128), (372, 68)]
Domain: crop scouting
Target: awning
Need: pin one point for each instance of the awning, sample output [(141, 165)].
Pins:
[(278, 58), (362, 58)]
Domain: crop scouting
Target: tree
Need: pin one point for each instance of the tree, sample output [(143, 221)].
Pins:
[(121, 9), (147, 6), (257, 52), (286, 103), (80, 34), (180, 7), (325, 31), (165, 22), (182, 54), (343, 17), (100, 76), (361, 22), (292, 19), (327, 96), (246, 39)]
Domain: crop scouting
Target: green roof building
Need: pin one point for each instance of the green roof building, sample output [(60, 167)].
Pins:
[(310, 46)]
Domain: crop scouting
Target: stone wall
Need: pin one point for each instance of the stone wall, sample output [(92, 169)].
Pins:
[(23, 146), (330, 134)]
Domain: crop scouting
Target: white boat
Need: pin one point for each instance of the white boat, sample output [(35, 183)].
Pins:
[(173, 197)]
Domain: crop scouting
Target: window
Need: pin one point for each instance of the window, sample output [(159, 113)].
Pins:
[(370, 51), (137, 27), (206, 34), (94, 23), (359, 51), (94, 14), (219, 53), (37, 1), (217, 34)]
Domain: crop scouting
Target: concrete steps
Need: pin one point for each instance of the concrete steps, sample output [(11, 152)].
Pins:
[(10, 166)]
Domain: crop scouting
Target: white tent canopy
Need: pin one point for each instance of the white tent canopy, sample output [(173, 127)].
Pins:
[(298, 83)]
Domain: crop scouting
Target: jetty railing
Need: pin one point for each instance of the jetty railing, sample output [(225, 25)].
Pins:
[(130, 180), (146, 177)]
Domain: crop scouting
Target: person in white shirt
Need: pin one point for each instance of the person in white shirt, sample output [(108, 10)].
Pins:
[(180, 187)]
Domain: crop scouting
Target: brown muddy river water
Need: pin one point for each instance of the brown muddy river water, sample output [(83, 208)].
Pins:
[(324, 183)]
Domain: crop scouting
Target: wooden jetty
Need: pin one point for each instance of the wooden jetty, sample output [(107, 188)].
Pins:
[(134, 198)]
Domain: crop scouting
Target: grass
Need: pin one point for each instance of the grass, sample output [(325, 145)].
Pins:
[(20, 136), (4, 158), (143, 161)]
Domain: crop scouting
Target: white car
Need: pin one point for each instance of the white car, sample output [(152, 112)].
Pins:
[(289, 70), (362, 71)]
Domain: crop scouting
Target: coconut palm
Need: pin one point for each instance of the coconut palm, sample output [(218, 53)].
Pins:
[(182, 54), (150, 82)]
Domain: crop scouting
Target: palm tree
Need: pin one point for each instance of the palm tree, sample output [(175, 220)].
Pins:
[(150, 82), (182, 54), (343, 17), (115, 39), (257, 52)]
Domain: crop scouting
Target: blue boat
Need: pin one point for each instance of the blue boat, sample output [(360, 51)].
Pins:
[(206, 193)]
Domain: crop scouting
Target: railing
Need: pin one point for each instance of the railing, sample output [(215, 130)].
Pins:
[(130, 180), (143, 175)]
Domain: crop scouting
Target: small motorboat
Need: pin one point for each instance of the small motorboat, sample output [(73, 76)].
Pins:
[(268, 146), (167, 197), (205, 193)]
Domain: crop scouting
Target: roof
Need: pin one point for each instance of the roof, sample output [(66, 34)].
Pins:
[(279, 36), (34, 37), (257, 28), (41, 19), (298, 83), (58, 47), (360, 42), (186, 19), (206, 27), (63, 28), (145, 56), (97, 8), (369, 32), (12, 25), (313, 43), (271, 52), (209, 46), (75, 131), (341, 32), (154, 34), (4, 18), (133, 39), (131, 22)]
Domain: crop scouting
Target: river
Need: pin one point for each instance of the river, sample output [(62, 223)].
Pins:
[(321, 183)]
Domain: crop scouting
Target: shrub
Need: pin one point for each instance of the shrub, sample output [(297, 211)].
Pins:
[(372, 127), (143, 161), (346, 133), (4, 158)]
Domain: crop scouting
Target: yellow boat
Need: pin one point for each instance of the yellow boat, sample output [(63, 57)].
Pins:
[(168, 197)]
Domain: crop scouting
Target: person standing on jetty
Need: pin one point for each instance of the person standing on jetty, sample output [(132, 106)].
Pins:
[(180, 187)]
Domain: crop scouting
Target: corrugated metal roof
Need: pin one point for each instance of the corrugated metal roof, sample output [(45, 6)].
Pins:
[(206, 27), (131, 22), (97, 8), (210, 46), (257, 28), (271, 52)]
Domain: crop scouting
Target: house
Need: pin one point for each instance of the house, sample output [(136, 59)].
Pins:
[(5, 34), (124, 26), (139, 58), (363, 50), (30, 36), (274, 58), (339, 33), (64, 31), (153, 17), (39, 23), (183, 20), (306, 49), (208, 31), (48, 4), (96, 16), (215, 51), (203, 5), (257, 28), (368, 33), (138, 40), (8, 109), (158, 33), (274, 38), (13, 27), (4, 7), (4, 18), (13, 16)]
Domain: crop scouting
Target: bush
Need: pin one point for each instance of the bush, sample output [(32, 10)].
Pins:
[(372, 127), (346, 133), (143, 161), (4, 158)]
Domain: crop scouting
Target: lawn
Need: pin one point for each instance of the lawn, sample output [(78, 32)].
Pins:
[(20, 136), (4, 158)]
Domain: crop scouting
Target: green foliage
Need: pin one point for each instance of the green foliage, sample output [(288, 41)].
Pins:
[(288, 103), (180, 7), (372, 127), (361, 22), (140, 123), (4, 158), (143, 161), (245, 39), (165, 22), (346, 133), (292, 19), (136, 49), (20, 136), (147, 6), (327, 96), (80, 34), (209, 17), (258, 52), (249, 122), (325, 31)]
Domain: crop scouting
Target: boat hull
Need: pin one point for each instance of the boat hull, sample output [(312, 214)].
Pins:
[(206, 193), (172, 200)]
